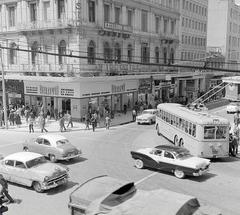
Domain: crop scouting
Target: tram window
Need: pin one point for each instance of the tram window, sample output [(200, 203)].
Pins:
[(186, 127), (190, 128), (209, 132), (177, 121), (194, 130), (221, 132)]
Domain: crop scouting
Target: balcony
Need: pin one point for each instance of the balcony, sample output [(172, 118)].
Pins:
[(84, 70)]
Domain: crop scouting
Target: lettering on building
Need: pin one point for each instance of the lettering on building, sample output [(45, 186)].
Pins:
[(31, 90), (118, 88), (51, 91), (67, 92)]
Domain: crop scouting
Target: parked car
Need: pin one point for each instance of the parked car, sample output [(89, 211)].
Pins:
[(148, 116), (33, 170), (107, 195), (172, 159), (233, 107), (55, 147)]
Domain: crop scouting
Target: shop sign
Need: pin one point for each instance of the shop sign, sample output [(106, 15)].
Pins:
[(51, 91), (145, 85), (118, 88), (117, 27)]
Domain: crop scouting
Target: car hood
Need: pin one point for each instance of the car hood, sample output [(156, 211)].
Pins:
[(145, 115), (195, 162), (67, 148), (49, 169)]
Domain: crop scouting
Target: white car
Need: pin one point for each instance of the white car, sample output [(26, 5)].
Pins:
[(33, 170), (233, 107), (148, 116)]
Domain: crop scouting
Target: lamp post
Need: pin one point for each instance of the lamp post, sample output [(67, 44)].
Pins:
[(4, 92)]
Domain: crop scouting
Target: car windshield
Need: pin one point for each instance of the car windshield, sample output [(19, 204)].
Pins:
[(183, 155), (147, 112), (62, 142), (35, 162)]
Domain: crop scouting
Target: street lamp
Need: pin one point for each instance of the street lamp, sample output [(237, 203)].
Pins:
[(4, 92)]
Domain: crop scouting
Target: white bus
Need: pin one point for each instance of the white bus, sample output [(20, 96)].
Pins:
[(203, 134)]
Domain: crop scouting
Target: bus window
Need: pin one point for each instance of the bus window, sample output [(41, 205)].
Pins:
[(183, 125), (180, 123), (167, 117), (209, 132), (221, 132), (171, 117), (164, 115), (194, 130), (177, 121), (190, 128), (186, 127)]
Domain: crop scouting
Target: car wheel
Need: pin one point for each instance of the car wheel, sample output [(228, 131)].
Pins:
[(175, 140), (25, 148), (138, 123), (37, 187), (158, 132), (52, 158), (181, 142), (179, 173), (139, 163)]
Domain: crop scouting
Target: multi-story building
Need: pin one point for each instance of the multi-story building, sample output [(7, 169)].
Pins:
[(192, 46), (93, 46), (224, 30)]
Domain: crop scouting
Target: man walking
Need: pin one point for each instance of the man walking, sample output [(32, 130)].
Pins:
[(107, 121), (42, 123), (31, 122), (134, 114), (62, 123), (93, 122), (70, 122)]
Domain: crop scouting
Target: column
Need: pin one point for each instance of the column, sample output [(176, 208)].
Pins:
[(124, 15)]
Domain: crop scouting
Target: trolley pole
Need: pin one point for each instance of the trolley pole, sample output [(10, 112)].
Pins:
[(4, 92)]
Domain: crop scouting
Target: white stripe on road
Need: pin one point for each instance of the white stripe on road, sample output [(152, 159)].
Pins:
[(145, 178)]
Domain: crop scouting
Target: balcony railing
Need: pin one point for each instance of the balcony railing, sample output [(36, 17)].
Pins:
[(84, 70)]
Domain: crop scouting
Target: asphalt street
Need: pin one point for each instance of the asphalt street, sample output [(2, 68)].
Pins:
[(108, 152)]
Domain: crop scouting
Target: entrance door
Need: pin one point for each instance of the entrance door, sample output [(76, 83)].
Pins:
[(66, 105)]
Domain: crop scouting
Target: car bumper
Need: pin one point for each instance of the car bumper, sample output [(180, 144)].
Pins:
[(70, 157), (54, 184), (143, 121), (200, 172)]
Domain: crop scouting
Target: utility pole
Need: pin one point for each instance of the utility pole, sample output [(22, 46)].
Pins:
[(4, 92)]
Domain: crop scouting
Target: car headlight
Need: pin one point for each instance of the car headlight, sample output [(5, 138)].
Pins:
[(46, 178)]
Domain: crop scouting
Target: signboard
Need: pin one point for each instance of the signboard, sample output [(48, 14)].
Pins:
[(145, 86), (117, 27)]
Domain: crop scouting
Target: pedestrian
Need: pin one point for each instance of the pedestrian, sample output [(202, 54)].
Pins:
[(18, 119), (42, 123), (134, 114), (26, 114), (11, 117), (93, 122), (87, 121), (4, 189), (125, 108), (107, 122), (62, 123), (31, 122), (70, 122)]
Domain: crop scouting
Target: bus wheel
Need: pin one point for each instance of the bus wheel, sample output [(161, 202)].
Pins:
[(175, 140), (179, 173), (158, 132), (181, 142)]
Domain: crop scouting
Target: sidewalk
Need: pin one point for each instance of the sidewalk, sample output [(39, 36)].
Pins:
[(53, 125)]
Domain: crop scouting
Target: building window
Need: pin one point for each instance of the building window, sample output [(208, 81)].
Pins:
[(91, 11), (130, 16), (106, 13), (11, 16), (33, 12), (34, 50), (157, 55), (61, 9), (117, 15), (61, 52), (107, 52), (46, 10), (172, 27), (91, 53), (144, 21), (12, 54), (129, 53), (165, 26), (172, 56), (165, 55), (117, 53), (145, 53), (157, 22)]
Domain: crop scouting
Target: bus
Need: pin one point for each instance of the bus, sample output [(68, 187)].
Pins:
[(203, 134)]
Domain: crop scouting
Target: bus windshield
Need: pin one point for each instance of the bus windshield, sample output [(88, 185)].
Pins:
[(215, 132)]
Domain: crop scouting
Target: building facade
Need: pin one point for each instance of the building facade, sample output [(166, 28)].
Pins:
[(224, 29)]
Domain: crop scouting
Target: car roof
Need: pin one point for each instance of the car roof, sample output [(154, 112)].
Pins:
[(52, 137), (171, 148), (23, 156)]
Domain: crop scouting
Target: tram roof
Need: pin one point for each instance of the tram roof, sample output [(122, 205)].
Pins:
[(198, 117), (232, 79)]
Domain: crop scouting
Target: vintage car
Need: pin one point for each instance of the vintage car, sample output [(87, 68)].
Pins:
[(33, 170), (171, 158), (233, 107), (107, 195), (148, 116), (55, 147)]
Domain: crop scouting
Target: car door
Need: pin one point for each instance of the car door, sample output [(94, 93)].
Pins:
[(37, 146), (47, 147), (21, 174), (157, 156), (8, 170), (168, 161)]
